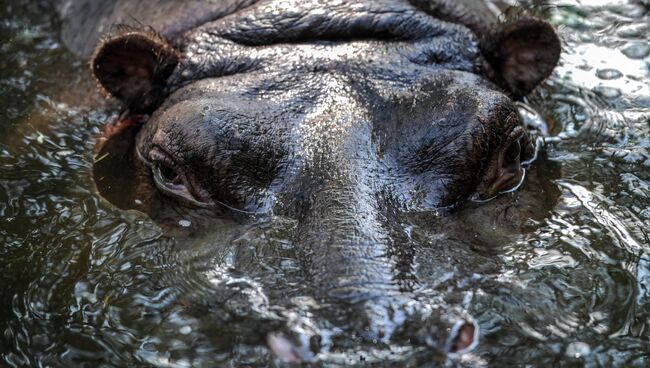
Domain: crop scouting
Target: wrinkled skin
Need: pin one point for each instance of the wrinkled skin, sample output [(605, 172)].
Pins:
[(359, 120)]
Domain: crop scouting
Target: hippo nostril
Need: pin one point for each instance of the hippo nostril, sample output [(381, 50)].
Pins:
[(287, 351), (283, 348), (463, 337)]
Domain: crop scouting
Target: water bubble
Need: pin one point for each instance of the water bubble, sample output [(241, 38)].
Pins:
[(633, 30), (607, 92), (532, 119), (183, 363), (577, 349), (636, 50), (645, 213), (185, 330), (64, 153), (185, 223), (608, 74)]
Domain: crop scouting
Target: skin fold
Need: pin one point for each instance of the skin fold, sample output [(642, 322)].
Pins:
[(358, 120)]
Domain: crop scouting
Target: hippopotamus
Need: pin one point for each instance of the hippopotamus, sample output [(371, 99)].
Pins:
[(357, 120)]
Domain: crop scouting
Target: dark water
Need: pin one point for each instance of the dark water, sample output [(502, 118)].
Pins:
[(82, 283)]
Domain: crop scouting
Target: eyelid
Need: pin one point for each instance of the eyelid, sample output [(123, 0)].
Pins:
[(141, 157)]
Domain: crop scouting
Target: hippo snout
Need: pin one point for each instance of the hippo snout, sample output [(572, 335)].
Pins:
[(380, 322)]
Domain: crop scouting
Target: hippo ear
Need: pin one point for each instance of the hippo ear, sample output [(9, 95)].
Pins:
[(522, 53), (134, 66)]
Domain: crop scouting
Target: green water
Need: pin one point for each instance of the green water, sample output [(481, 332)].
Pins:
[(85, 284)]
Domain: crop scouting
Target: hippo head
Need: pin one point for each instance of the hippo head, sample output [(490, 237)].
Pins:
[(359, 122)]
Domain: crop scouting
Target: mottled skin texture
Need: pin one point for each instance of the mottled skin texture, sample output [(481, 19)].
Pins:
[(358, 119)]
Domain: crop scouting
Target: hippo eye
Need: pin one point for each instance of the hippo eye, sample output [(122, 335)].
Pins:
[(504, 172), (167, 176), (173, 181)]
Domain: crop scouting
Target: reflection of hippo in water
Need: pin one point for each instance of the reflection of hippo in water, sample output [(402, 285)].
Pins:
[(359, 121)]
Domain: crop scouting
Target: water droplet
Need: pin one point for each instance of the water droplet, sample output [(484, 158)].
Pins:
[(578, 349), (184, 223), (64, 153), (636, 50), (607, 92), (645, 213), (608, 74)]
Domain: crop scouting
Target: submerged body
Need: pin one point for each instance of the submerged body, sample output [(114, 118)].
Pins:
[(359, 121)]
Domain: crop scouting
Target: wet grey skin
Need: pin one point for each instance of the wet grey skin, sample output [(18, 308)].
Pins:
[(357, 119)]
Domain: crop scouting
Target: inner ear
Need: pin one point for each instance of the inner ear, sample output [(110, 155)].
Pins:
[(522, 53), (134, 66)]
